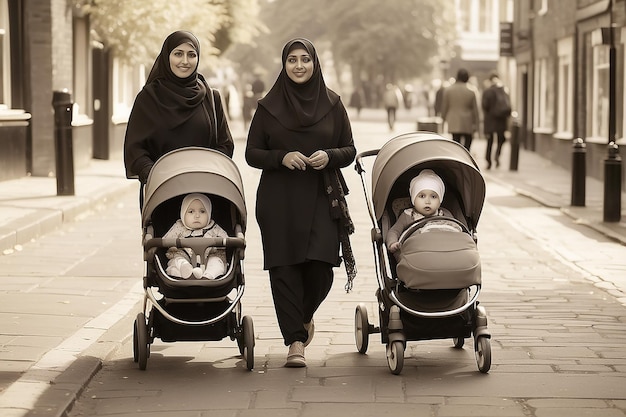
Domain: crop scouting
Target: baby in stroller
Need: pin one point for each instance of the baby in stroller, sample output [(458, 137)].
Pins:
[(195, 221), (427, 191)]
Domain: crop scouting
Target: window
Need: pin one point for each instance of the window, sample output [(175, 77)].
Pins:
[(598, 106), (5, 57), (565, 88), (127, 81), (486, 16), (479, 16), (82, 76), (544, 95), (464, 10)]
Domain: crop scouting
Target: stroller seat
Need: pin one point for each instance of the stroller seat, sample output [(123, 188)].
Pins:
[(437, 260)]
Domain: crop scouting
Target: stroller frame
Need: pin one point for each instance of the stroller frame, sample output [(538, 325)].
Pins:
[(401, 317), (193, 309)]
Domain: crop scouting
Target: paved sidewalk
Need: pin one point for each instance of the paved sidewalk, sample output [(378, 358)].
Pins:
[(29, 207)]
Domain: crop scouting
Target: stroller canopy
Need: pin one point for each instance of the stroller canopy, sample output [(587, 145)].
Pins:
[(419, 150), (193, 170)]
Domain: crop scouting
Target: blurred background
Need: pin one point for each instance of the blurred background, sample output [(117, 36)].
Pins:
[(562, 61)]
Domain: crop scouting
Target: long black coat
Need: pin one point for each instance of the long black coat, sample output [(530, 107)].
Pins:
[(292, 208)]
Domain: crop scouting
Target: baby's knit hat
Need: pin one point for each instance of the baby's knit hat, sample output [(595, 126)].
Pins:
[(187, 202), (426, 180)]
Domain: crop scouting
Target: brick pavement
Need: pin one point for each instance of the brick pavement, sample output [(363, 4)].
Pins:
[(30, 208)]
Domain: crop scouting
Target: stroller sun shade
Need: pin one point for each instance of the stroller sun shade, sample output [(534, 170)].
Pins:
[(193, 170), (420, 150)]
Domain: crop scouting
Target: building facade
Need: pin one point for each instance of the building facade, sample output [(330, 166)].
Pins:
[(46, 47), (563, 69)]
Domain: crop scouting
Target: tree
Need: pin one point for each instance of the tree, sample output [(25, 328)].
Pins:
[(381, 41), (396, 39), (135, 29)]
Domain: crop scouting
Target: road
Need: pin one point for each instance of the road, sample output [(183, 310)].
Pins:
[(558, 331)]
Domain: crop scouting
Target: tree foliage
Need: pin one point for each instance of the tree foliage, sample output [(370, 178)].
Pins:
[(135, 29), (394, 39)]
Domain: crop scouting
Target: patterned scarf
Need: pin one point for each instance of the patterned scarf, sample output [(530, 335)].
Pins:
[(336, 189)]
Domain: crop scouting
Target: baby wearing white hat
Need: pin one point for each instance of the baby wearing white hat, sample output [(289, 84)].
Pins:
[(195, 221), (426, 190)]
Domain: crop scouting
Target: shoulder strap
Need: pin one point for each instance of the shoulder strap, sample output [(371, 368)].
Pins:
[(212, 90)]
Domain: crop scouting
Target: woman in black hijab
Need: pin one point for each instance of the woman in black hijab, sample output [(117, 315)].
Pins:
[(174, 110), (300, 137)]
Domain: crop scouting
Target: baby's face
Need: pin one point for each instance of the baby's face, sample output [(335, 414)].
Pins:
[(196, 216), (427, 202)]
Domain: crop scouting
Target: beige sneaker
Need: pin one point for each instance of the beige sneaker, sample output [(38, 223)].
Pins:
[(295, 357), (310, 329)]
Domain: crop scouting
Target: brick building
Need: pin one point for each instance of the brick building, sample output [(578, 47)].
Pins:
[(46, 46), (562, 78)]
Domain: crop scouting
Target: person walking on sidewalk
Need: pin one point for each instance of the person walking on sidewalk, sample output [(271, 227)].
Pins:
[(175, 109), (300, 137), (392, 97), (496, 104), (460, 109)]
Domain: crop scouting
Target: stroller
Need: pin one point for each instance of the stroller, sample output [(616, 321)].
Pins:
[(434, 291), (175, 309)]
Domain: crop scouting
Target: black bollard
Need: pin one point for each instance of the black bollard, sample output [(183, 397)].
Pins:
[(514, 160), (63, 147), (613, 184), (579, 172)]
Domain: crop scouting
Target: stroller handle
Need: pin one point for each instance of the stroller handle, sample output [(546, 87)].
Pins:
[(358, 166)]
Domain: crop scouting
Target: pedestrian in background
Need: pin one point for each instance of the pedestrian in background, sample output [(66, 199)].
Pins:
[(496, 104), (460, 109), (356, 100), (392, 97), (175, 109), (300, 137)]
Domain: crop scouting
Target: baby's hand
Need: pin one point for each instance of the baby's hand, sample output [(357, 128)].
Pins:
[(394, 247)]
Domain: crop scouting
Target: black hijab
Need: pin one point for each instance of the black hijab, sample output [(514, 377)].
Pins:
[(299, 105), (173, 100), (165, 103)]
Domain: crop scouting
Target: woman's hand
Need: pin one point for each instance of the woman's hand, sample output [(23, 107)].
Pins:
[(295, 160), (394, 247), (318, 160)]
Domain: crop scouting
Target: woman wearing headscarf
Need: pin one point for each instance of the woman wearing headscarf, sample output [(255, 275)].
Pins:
[(175, 109), (300, 137)]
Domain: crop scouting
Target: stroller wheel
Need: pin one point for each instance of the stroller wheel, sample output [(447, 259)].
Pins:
[(248, 342), (482, 349), (395, 356), (143, 345), (458, 342), (135, 343), (361, 328)]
